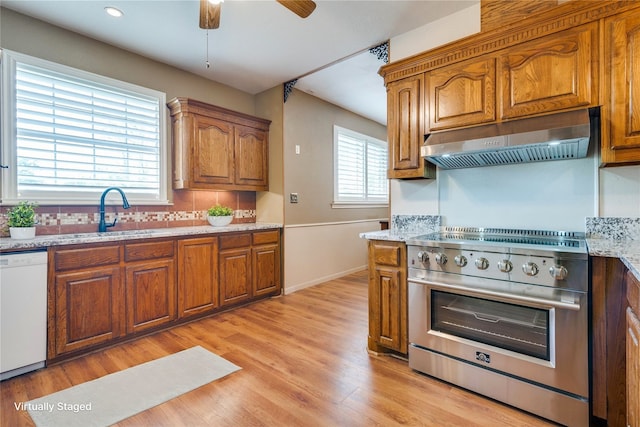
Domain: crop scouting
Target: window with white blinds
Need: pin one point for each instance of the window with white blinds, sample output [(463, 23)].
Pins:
[(72, 134), (360, 172)]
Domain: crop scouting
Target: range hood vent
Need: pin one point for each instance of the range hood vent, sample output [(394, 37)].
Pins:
[(560, 136)]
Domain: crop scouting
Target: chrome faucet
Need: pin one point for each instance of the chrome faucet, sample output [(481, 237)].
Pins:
[(125, 204)]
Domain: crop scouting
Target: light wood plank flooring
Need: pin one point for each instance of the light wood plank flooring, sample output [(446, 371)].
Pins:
[(304, 363)]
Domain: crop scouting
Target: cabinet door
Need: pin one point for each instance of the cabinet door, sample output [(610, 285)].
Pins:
[(252, 158), (235, 275), (212, 151), (150, 290), (405, 128), (550, 74), (633, 368), (387, 296), (197, 276), (462, 94), (621, 110), (89, 308), (387, 301), (266, 269)]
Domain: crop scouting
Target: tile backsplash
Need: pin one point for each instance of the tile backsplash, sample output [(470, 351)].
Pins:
[(188, 209)]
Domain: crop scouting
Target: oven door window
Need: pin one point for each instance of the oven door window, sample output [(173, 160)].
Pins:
[(524, 330)]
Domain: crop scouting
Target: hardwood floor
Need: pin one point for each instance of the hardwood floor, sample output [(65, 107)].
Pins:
[(304, 363)]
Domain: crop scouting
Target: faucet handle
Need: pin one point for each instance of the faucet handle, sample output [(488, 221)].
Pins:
[(113, 223)]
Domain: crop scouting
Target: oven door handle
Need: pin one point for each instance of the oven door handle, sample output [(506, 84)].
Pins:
[(509, 298)]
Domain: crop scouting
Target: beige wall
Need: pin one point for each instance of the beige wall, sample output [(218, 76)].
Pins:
[(40, 39), (270, 205), (320, 243), (309, 123)]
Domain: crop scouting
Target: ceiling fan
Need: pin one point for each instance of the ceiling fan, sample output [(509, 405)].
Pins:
[(210, 11)]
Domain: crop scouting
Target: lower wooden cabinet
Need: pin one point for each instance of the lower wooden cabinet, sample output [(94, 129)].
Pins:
[(387, 296), (633, 368), (197, 276), (633, 350), (150, 294), (87, 310), (103, 293), (249, 266)]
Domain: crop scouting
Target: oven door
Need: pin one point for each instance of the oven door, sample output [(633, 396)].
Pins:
[(534, 333)]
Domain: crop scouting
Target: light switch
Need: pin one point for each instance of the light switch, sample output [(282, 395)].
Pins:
[(297, 149)]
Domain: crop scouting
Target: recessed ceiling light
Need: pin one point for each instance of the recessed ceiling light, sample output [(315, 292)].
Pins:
[(117, 13)]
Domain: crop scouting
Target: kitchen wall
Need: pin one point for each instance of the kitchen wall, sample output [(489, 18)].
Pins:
[(547, 195), (320, 242), (40, 39)]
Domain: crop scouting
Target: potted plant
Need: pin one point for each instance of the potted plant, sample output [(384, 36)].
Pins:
[(21, 220), (219, 216)]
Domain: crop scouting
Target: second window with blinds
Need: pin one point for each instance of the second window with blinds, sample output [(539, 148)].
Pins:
[(360, 170)]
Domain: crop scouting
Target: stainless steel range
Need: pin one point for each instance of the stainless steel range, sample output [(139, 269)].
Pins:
[(504, 313)]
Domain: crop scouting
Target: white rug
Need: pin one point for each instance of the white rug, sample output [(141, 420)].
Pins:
[(114, 397)]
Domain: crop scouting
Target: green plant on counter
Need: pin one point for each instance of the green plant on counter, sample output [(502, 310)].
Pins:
[(22, 215), (219, 210)]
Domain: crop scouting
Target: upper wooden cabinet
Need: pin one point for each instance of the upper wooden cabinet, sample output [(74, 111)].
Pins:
[(462, 94), (556, 72), (406, 128), (218, 149), (574, 55), (621, 95)]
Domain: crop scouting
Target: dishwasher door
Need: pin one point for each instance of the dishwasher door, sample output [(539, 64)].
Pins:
[(23, 312)]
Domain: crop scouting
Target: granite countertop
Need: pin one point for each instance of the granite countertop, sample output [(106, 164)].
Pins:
[(392, 235), (7, 244), (628, 251)]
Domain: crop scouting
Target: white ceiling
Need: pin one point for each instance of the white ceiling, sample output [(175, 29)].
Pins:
[(260, 44)]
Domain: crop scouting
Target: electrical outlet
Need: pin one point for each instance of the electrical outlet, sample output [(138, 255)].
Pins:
[(293, 197)]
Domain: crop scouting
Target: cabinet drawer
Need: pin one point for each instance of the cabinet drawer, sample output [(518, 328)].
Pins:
[(235, 241), (633, 291), (266, 237), (385, 254), (71, 259), (148, 250)]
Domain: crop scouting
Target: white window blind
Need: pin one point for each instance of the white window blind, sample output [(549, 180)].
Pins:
[(75, 134), (360, 168)]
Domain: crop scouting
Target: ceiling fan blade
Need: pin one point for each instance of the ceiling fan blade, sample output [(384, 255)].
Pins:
[(302, 8), (209, 15)]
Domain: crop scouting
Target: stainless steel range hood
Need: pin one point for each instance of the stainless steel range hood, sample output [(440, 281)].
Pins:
[(559, 136)]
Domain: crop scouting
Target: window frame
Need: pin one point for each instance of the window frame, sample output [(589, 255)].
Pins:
[(8, 134), (366, 203)]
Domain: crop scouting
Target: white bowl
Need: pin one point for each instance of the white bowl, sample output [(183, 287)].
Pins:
[(219, 221)]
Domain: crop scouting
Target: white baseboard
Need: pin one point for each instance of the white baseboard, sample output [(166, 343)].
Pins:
[(319, 280)]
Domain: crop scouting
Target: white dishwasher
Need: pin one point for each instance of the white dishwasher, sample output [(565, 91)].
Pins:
[(23, 312)]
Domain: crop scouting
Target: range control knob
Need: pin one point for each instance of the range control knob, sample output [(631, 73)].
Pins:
[(558, 272), (423, 256), (441, 259), (505, 266), (460, 260), (482, 263), (530, 268)]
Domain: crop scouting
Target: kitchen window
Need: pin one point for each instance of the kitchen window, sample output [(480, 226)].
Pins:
[(360, 170), (69, 134)]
